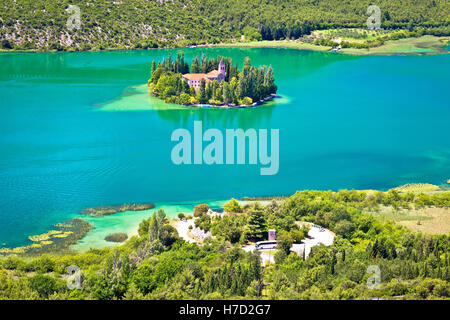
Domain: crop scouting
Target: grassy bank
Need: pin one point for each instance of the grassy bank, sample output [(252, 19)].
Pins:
[(288, 44), (429, 220), (421, 45)]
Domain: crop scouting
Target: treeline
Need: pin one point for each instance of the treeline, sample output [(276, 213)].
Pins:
[(380, 40), (199, 65), (412, 266), (300, 30), (41, 25), (239, 87), (157, 264)]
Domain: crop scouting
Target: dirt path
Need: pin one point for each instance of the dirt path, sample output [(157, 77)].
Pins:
[(183, 228)]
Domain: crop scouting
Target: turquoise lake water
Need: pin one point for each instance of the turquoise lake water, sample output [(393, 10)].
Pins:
[(78, 130)]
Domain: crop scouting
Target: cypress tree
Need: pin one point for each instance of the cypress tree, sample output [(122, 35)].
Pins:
[(375, 249), (369, 251), (201, 95), (446, 275), (153, 68), (195, 68), (333, 263), (256, 224), (439, 272)]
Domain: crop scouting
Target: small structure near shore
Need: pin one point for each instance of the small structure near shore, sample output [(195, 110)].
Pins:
[(272, 233)]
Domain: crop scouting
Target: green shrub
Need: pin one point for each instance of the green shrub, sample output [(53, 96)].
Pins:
[(200, 210), (232, 206), (44, 285)]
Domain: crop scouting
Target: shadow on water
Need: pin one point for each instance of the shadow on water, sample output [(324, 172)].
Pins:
[(137, 99), (229, 118)]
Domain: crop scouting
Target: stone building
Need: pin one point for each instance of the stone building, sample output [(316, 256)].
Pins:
[(195, 79)]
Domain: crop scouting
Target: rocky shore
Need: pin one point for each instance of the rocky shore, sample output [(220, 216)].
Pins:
[(228, 106)]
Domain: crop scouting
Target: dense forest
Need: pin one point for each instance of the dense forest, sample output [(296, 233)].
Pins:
[(157, 264), (104, 24), (238, 88)]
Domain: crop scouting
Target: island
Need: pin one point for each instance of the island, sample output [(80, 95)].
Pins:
[(211, 82), (108, 210)]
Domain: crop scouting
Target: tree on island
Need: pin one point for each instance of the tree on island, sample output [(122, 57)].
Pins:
[(238, 88)]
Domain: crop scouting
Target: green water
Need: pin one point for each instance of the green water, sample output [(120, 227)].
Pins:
[(78, 130)]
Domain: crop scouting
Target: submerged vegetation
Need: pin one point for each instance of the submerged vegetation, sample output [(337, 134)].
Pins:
[(57, 240), (238, 87), (418, 187), (158, 264)]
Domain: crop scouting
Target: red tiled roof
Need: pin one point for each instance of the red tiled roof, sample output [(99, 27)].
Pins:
[(194, 76), (213, 73)]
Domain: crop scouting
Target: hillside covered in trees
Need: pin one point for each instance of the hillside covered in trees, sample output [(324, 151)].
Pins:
[(158, 264), (238, 88), (104, 24)]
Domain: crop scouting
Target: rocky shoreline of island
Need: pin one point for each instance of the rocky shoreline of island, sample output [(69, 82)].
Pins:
[(231, 106)]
